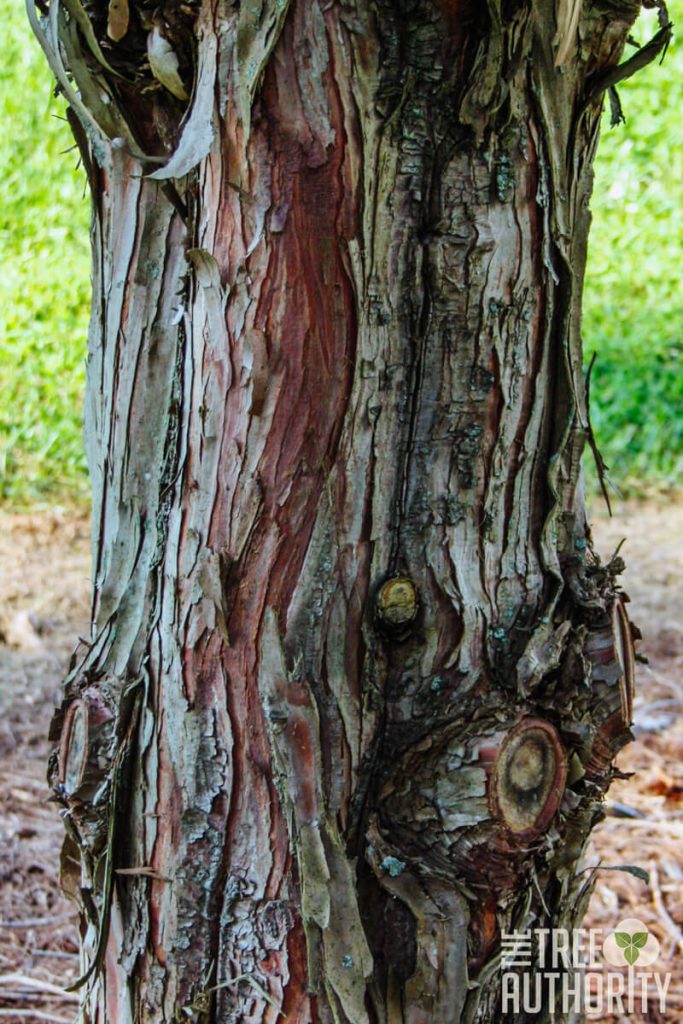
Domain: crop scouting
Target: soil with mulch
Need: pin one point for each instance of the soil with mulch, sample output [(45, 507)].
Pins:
[(644, 823), (44, 583)]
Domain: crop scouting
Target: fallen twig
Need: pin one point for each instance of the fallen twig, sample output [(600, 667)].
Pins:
[(654, 824), (35, 1015), (57, 954), (38, 922), (37, 986)]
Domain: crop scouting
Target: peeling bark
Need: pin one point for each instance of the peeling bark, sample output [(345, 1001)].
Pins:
[(356, 676)]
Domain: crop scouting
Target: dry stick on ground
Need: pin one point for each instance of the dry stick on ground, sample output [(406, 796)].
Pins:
[(35, 1015), (37, 987), (38, 922), (58, 954)]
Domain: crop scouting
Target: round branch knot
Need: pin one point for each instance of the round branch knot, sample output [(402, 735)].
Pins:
[(529, 777), (397, 604)]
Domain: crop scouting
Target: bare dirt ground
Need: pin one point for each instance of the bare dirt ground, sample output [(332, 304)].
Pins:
[(44, 579), (651, 837)]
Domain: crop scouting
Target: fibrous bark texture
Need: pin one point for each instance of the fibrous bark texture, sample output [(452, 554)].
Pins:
[(356, 676)]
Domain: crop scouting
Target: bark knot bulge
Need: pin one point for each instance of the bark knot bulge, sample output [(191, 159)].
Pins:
[(397, 606)]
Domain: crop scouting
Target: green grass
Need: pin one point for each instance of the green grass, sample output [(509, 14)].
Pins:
[(44, 285), (632, 313), (633, 310)]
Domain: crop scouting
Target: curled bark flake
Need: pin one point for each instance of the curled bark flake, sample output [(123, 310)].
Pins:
[(609, 649), (46, 31), (95, 92), (117, 19), (315, 876), (79, 14), (93, 102), (257, 364), (258, 30), (73, 755), (164, 63), (542, 654), (640, 59), (437, 982), (199, 128), (329, 905), (110, 775), (625, 653), (88, 732), (348, 962), (486, 89), (616, 112), (567, 16)]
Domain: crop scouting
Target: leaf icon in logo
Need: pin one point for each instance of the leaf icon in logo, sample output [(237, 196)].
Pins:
[(630, 943), (631, 954)]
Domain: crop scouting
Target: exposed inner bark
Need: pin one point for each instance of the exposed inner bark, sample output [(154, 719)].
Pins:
[(356, 677)]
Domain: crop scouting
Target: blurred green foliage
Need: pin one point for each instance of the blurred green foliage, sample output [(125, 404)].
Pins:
[(44, 285), (632, 315), (633, 308)]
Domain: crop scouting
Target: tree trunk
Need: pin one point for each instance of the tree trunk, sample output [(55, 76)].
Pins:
[(356, 676)]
